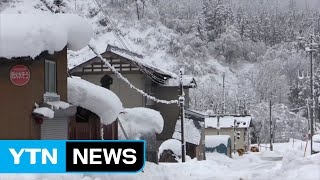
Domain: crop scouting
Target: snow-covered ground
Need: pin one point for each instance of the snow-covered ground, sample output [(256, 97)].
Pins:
[(257, 166)]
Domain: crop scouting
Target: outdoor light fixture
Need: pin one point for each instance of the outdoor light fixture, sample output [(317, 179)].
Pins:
[(38, 118)]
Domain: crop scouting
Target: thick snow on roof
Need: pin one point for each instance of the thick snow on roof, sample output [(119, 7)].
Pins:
[(46, 112), (316, 138), (59, 104), (99, 100), (137, 58), (186, 81), (228, 121), (23, 35), (316, 143), (192, 133), (171, 144), (216, 140), (140, 121)]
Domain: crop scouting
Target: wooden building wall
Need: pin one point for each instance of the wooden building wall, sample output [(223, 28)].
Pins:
[(129, 97), (17, 102)]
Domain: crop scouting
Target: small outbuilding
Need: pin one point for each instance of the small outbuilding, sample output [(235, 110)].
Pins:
[(224, 125), (193, 134)]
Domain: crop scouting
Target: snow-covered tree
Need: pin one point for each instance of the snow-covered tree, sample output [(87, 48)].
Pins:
[(286, 124)]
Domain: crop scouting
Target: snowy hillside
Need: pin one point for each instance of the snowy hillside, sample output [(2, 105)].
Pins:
[(148, 36), (257, 51)]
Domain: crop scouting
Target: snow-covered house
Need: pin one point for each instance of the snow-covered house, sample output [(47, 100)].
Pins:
[(194, 134), (224, 126), (155, 81), (33, 73), (96, 107)]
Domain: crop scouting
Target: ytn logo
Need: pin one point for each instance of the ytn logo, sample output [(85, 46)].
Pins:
[(61, 156), (32, 152)]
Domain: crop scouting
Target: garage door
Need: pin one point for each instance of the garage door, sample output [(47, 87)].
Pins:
[(56, 128)]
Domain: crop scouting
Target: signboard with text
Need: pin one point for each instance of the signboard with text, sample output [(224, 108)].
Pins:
[(19, 75)]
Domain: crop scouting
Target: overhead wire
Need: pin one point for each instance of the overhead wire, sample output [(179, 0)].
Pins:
[(115, 31)]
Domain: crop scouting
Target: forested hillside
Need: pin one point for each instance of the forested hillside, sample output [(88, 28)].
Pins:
[(258, 44)]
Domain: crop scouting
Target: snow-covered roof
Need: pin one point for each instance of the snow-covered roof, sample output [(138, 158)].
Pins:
[(195, 113), (97, 99), (192, 133), (138, 58), (228, 121), (316, 138), (58, 105), (44, 111), (216, 140), (28, 35), (170, 79), (171, 144), (187, 80), (140, 121)]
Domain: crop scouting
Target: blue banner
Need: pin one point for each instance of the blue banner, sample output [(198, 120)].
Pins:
[(61, 156)]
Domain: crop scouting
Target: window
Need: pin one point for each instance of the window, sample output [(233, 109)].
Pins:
[(50, 76), (149, 90)]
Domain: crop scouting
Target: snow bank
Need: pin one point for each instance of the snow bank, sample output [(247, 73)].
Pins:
[(25, 35), (140, 121), (59, 104), (228, 121), (99, 100), (316, 138), (171, 144), (216, 140), (46, 112)]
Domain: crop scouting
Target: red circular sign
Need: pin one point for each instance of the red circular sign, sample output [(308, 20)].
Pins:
[(19, 75)]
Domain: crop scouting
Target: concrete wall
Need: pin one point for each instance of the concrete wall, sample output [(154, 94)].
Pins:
[(17, 102), (229, 131), (128, 96)]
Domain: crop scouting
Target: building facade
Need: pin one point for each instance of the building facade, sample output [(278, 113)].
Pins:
[(224, 125), (27, 83), (152, 80)]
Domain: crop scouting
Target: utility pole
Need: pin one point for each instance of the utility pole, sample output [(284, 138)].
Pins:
[(234, 136), (312, 92), (236, 133), (219, 115), (308, 110), (271, 135), (181, 103), (311, 48), (218, 123), (224, 95)]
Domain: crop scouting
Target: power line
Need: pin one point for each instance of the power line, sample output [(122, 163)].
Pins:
[(128, 82), (123, 44)]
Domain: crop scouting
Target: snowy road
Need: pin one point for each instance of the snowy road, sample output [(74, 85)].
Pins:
[(253, 166)]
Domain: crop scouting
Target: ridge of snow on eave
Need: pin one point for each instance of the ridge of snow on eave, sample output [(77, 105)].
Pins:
[(98, 100), (141, 121), (32, 34), (227, 121), (216, 140), (193, 134), (139, 60)]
